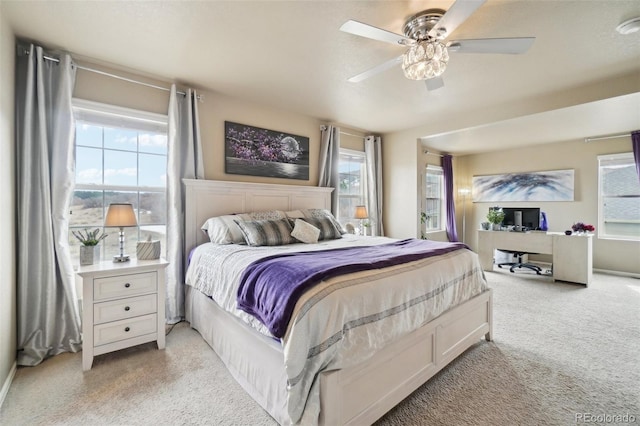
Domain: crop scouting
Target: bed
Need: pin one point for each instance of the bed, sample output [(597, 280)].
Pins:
[(354, 387)]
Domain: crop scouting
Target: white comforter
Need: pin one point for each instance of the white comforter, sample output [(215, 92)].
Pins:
[(343, 320)]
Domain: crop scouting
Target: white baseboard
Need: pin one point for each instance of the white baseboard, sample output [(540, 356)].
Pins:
[(7, 383), (619, 273)]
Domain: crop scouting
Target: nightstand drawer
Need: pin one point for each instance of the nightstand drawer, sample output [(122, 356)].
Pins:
[(124, 285), (124, 308), (124, 329)]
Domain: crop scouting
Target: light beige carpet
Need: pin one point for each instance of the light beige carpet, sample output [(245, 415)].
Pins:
[(560, 351)]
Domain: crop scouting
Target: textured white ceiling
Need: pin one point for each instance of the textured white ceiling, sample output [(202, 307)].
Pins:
[(291, 54)]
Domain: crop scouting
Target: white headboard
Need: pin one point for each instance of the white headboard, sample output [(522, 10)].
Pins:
[(208, 198)]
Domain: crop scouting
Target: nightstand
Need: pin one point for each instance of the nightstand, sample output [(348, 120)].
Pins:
[(122, 306)]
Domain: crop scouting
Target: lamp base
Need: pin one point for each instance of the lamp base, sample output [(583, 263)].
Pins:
[(121, 258)]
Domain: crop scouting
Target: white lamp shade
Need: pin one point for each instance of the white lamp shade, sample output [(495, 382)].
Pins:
[(120, 215), (361, 212)]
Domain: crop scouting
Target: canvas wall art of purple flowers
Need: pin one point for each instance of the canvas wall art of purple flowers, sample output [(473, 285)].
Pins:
[(261, 152)]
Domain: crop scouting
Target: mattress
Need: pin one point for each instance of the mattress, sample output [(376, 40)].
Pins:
[(344, 319)]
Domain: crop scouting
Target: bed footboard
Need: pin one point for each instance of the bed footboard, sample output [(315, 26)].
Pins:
[(364, 393)]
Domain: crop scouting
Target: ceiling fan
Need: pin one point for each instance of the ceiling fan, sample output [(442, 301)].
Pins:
[(424, 36)]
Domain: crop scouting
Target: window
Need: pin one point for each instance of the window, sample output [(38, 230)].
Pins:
[(351, 192), (618, 197), (433, 208), (121, 156)]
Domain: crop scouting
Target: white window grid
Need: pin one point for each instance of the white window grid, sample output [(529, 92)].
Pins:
[(626, 226), (433, 200), (352, 200), (110, 116)]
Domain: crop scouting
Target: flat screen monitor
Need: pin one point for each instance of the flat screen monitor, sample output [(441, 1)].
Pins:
[(530, 217)]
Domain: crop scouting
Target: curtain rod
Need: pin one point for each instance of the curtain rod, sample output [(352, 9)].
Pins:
[(351, 134), (599, 138), (433, 153), (324, 127), (119, 77)]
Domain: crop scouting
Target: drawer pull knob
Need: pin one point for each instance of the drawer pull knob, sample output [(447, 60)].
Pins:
[(126, 308), (127, 285), (127, 329)]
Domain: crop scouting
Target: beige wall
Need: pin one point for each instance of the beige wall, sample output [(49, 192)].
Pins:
[(218, 108), (615, 255), (401, 182), (404, 163), (214, 110), (354, 140), (7, 198)]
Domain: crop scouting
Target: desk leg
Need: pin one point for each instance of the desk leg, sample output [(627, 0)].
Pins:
[(485, 251)]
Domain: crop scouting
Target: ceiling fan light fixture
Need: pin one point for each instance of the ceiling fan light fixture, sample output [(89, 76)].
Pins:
[(629, 26), (426, 59)]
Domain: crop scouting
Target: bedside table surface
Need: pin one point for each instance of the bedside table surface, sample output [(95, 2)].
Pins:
[(124, 267)]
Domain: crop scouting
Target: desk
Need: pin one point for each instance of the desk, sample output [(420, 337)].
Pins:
[(572, 254)]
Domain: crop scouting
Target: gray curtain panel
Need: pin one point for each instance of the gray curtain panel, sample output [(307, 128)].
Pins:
[(373, 163), (184, 162), (48, 317), (329, 161)]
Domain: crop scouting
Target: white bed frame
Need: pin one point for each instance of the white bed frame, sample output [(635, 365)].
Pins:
[(363, 393)]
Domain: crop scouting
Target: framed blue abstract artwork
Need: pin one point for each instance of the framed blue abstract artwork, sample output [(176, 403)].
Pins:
[(555, 185)]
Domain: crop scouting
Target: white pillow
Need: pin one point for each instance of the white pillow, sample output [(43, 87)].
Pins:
[(305, 232), (224, 230)]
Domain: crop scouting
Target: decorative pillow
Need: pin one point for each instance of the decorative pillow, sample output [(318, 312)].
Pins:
[(328, 230), (350, 228), (224, 230), (265, 215), (266, 232), (295, 214), (305, 232), (315, 214)]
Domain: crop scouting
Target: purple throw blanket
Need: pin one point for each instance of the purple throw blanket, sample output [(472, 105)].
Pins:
[(270, 287)]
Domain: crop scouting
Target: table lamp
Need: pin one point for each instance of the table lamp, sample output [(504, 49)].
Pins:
[(120, 215), (361, 213)]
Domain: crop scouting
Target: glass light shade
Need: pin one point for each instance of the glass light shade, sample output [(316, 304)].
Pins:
[(425, 59), (361, 212), (120, 215)]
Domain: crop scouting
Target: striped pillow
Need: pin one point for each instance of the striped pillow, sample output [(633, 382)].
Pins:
[(223, 230), (315, 214), (327, 227), (266, 232)]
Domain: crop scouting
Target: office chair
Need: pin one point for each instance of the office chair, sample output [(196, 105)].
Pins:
[(519, 263)]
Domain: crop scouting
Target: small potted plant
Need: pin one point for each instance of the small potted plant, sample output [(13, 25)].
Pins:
[(495, 217), (89, 250), (366, 227), (424, 220)]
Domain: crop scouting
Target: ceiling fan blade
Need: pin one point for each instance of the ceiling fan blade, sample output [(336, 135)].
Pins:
[(511, 46), (454, 17), (434, 83), (376, 70), (368, 31)]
